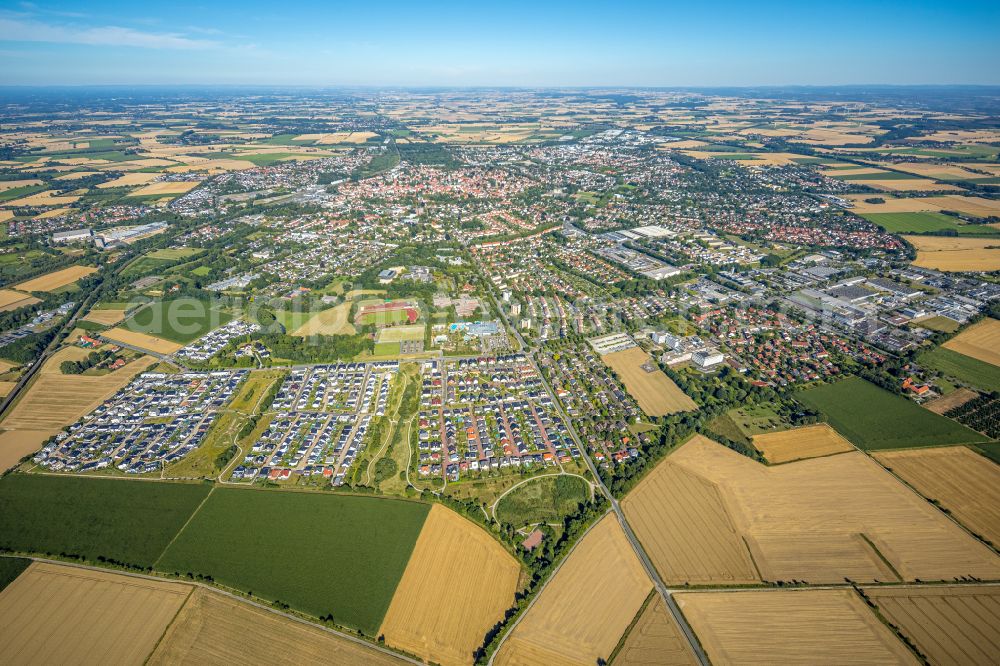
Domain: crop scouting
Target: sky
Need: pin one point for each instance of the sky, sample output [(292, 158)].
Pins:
[(513, 43)]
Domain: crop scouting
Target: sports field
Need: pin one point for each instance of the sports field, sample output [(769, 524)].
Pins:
[(873, 419), (825, 519), (55, 614), (457, 584), (981, 341), (57, 279), (800, 443), (790, 627), (400, 333), (683, 524), (970, 370), (128, 521), (587, 605), (963, 482), (950, 624), (655, 640), (322, 554), (215, 629), (656, 393), (180, 320)]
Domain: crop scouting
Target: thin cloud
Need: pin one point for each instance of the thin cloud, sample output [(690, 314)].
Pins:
[(18, 30)]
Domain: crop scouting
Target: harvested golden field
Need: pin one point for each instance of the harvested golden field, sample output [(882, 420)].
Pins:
[(215, 629), (105, 317), (141, 340), (655, 640), (46, 198), (980, 341), (61, 615), (936, 171), (130, 179), (6, 215), (337, 137), (332, 321), (964, 482), (945, 253), (443, 618), (948, 402), (14, 184), (177, 187), (683, 524), (55, 400), (656, 393), (6, 388), (821, 520), (800, 443), (950, 624), (76, 175), (790, 627), (891, 205), (977, 206), (685, 144), (56, 279), (55, 212), (907, 185), (586, 606), (213, 166), (12, 300), (15, 444)]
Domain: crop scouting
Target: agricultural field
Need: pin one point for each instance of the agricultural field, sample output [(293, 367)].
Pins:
[(167, 187), (105, 316), (15, 444), (654, 639), (790, 627), (873, 527), (587, 605), (801, 443), (142, 341), (683, 524), (12, 300), (964, 483), (10, 569), (542, 500), (874, 419), (217, 629), (945, 403), (949, 624), (457, 585), (55, 400), (180, 320), (981, 341), (56, 280), (58, 614), (127, 521), (332, 321), (656, 393), (358, 548), (922, 222), (965, 368), (946, 253)]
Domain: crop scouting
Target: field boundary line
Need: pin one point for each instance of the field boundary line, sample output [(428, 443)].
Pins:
[(159, 640), (871, 544), (184, 526), (631, 625)]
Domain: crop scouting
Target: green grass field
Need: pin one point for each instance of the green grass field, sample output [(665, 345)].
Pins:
[(925, 222), (882, 175), (180, 320), (174, 253), (320, 553), (990, 450), (941, 324), (11, 568), (544, 500), (386, 348), (968, 369), (874, 419), (130, 522)]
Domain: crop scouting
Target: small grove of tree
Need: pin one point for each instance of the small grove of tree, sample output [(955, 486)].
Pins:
[(93, 359)]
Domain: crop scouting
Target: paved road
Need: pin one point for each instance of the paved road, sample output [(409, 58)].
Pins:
[(661, 588)]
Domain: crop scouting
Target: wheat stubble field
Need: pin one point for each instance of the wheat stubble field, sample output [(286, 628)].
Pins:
[(817, 520), (791, 627), (656, 393), (457, 584), (682, 521), (655, 640), (964, 482), (800, 443), (55, 614), (950, 624), (981, 341), (585, 608)]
